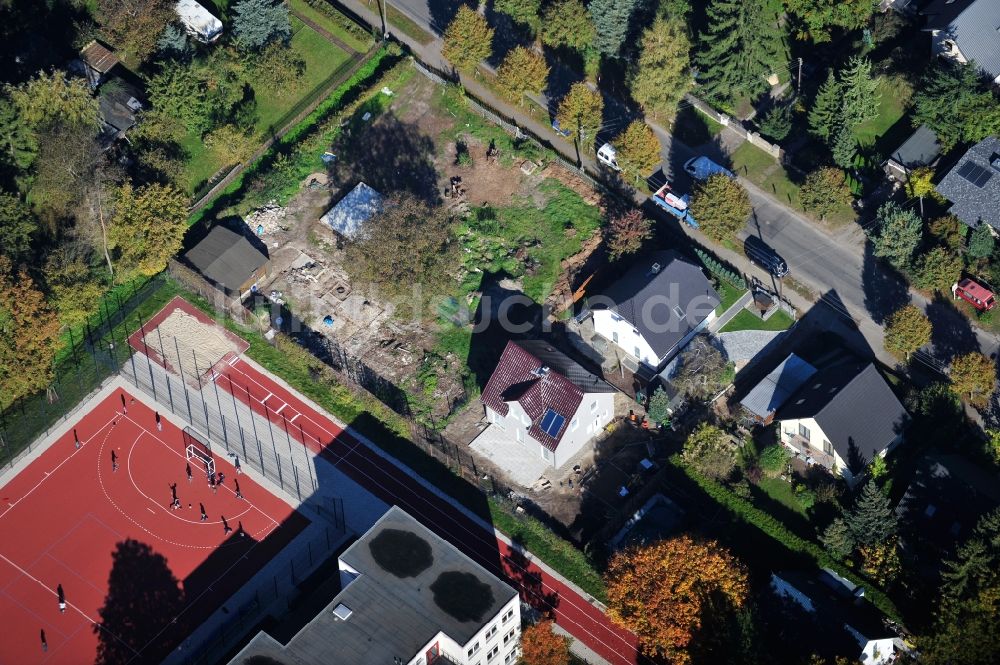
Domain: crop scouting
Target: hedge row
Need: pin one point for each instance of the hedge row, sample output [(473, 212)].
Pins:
[(775, 529), (718, 269)]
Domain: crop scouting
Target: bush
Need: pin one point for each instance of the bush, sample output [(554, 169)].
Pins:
[(774, 460), (805, 496), (777, 123)]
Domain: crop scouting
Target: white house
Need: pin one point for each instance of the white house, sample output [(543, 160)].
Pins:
[(965, 31), (408, 597), (200, 23), (848, 625), (546, 402), (655, 309), (841, 417)]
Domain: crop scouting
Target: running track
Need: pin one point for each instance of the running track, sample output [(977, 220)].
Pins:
[(394, 486)]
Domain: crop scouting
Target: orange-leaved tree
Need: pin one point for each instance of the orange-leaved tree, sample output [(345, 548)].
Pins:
[(541, 646), (661, 591)]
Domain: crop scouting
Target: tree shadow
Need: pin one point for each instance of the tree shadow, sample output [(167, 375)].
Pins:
[(391, 156), (884, 290), (508, 34), (528, 582), (442, 12), (725, 633), (141, 614), (951, 331)]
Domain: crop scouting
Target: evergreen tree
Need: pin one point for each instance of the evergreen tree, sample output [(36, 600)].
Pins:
[(522, 71), (17, 227), (174, 42), (845, 147), (897, 233), (18, 145), (566, 23), (859, 91), (838, 539), (468, 40), (659, 79), (659, 403), (525, 12), (741, 46), (257, 22), (824, 116), (981, 242), (872, 521), (957, 104), (611, 21), (777, 123)]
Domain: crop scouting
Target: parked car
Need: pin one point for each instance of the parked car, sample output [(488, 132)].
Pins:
[(559, 130), (763, 255), (703, 168), (608, 156), (975, 294)]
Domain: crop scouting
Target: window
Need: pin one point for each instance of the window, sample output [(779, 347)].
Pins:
[(509, 636), (614, 336), (575, 423), (520, 435), (508, 615), (474, 650), (491, 632), (593, 407), (493, 653), (546, 453), (827, 448), (498, 420), (638, 353), (511, 657), (803, 431)]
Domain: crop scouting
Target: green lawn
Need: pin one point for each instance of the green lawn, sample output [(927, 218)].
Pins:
[(728, 295), (402, 22), (781, 491), (747, 320), (895, 94), (334, 22), (694, 128)]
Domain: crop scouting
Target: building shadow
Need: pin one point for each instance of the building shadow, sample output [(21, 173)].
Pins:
[(885, 291), (529, 582), (951, 331)]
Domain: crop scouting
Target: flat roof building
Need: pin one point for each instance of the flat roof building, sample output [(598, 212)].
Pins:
[(409, 597)]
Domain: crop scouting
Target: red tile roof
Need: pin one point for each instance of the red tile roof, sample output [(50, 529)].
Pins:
[(517, 379)]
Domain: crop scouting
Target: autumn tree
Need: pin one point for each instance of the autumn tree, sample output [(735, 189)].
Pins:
[(825, 191), (567, 23), (64, 170), (709, 451), (260, 22), (468, 40), (230, 144), (896, 234), (659, 78), (522, 71), (937, 270), (638, 149), (135, 26), (146, 229), (17, 228), (50, 99), (919, 183), (721, 205), (973, 377), (541, 646), (29, 335), (526, 12), (742, 45), (627, 232), (277, 66), (906, 330), (75, 291), (664, 591), (611, 21), (819, 16), (880, 562), (824, 115), (580, 112), (408, 243)]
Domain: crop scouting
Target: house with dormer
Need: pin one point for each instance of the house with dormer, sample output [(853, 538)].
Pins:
[(544, 402)]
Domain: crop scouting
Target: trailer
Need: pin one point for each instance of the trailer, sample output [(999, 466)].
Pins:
[(674, 204)]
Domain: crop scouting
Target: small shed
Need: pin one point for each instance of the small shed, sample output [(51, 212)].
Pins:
[(351, 212), (228, 261), (920, 149), (774, 390), (97, 60), (200, 23)]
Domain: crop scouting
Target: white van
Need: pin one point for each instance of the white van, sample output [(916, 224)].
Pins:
[(608, 156)]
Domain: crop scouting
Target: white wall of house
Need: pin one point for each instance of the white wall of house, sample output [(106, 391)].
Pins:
[(818, 441), (876, 652), (624, 335), (500, 636), (595, 411)]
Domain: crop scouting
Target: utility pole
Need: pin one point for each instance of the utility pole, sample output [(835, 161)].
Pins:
[(385, 26), (798, 88)]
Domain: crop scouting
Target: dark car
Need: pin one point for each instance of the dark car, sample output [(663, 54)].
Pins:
[(763, 255)]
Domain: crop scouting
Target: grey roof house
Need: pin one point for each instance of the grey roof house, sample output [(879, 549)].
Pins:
[(228, 261), (973, 185), (920, 149), (408, 596), (966, 31), (764, 399), (840, 417), (655, 309)]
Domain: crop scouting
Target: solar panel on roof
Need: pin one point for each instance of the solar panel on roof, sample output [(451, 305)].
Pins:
[(975, 174), (551, 423)]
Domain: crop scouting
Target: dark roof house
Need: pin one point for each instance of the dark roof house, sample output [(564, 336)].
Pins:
[(973, 185), (920, 149), (855, 408), (662, 287), (229, 261), (542, 380), (118, 103), (403, 585), (966, 31)]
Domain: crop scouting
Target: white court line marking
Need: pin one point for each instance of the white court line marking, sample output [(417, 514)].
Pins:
[(295, 417), (282, 408), (150, 510)]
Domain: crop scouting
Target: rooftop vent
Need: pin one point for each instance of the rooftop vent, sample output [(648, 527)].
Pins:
[(656, 268), (542, 371), (996, 159), (342, 612)]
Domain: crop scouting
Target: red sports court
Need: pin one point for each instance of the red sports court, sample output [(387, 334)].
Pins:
[(138, 575)]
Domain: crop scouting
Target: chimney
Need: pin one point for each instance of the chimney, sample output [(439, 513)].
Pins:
[(542, 371), (656, 268)]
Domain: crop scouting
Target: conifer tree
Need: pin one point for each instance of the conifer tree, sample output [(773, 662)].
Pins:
[(468, 40), (611, 21), (659, 79), (845, 146), (859, 92), (872, 520), (824, 116), (741, 46)]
